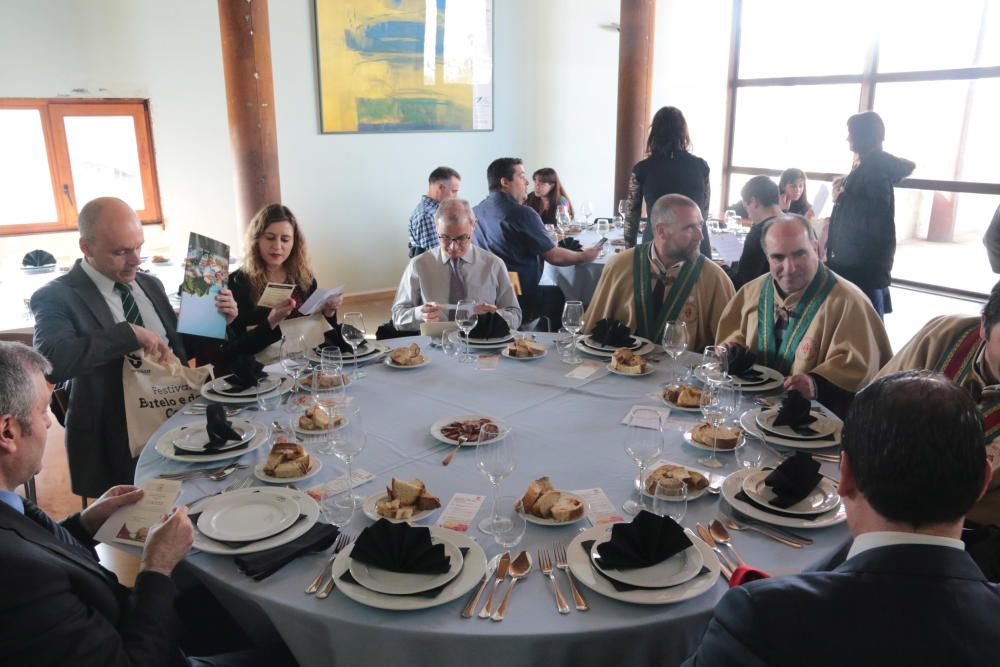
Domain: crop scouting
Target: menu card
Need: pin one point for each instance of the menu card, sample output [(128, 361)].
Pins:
[(584, 370), (206, 272), (339, 485), (600, 509), (487, 362), (460, 511), (274, 294), (631, 419), (131, 524)]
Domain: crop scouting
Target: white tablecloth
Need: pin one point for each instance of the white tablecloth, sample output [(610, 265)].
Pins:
[(568, 429), (579, 282)]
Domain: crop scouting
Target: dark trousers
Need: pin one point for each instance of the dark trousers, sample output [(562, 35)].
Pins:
[(880, 300), (545, 301)]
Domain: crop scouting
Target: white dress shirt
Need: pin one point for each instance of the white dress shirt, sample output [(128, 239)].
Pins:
[(106, 286), (874, 540), (428, 276)]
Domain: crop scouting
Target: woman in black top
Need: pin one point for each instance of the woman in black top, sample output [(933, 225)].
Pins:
[(668, 169), (548, 196), (792, 193)]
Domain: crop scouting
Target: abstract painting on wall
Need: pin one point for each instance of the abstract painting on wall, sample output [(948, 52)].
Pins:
[(405, 65)]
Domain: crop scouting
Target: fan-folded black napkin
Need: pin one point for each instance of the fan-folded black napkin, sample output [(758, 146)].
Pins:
[(648, 540), (612, 333), (741, 361), (794, 479), (571, 243), (220, 430), (38, 258), (795, 412), (400, 547), (490, 325), (247, 372), (333, 338), (265, 563)]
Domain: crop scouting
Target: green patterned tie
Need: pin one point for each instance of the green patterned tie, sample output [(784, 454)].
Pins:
[(132, 314)]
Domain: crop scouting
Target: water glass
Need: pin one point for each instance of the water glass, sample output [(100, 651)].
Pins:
[(572, 319), (619, 222), (338, 509), (565, 344), (670, 498), (495, 459), (714, 364), (447, 342), (511, 523), (749, 455), (267, 399), (466, 319), (675, 341)]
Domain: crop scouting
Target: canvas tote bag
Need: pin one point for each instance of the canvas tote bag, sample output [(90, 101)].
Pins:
[(311, 328), (156, 390)]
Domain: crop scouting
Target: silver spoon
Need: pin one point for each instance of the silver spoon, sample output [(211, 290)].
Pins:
[(519, 568), (721, 536)]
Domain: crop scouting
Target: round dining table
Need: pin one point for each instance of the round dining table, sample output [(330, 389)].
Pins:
[(578, 282), (568, 428)]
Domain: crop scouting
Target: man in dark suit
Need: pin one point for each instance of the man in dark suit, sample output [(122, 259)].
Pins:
[(908, 594), (85, 324)]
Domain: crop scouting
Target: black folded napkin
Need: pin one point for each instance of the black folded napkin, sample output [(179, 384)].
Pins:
[(742, 495), (648, 540), (333, 338), (38, 258), (571, 243), (741, 361), (793, 480), (220, 429), (265, 563), (400, 547), (612, 333), (490, 325), (430, 593), (246, 373), (795, 412), (621, 586)]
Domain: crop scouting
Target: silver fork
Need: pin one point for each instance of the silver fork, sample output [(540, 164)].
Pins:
[(563, 564), (328, 587), (342, 541), (545, 565), (235, 486)]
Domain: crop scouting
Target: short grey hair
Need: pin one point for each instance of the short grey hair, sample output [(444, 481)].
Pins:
[(17, 388), (452, 211), (665, 208), (801, 219)]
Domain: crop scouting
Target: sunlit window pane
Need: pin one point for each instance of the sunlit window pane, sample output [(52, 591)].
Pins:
[(936, 35), (25, 183), (104, 158)]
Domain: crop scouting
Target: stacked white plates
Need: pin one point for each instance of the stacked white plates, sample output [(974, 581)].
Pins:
[(592, 347), (770, 379), (164, 445), (750, 424), (821, 499), (823, 427), (263, 517), (398, 591), (195, 439), (487, 343), (673, 580), (219, 391), (222, 386), (734, 484), (369, 351)]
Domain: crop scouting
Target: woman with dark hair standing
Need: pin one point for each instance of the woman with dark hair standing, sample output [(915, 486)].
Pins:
[(861, 243), (548, 195), (792, 193), (668, 169)]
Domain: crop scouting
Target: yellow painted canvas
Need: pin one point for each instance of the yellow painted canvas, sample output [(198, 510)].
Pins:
[(405, 65)]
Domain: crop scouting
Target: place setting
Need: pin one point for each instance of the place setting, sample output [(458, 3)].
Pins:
[(747, 375), (215, 439), (248, 383), (610, 335), (795, 423), (483, 332), (353, 346)]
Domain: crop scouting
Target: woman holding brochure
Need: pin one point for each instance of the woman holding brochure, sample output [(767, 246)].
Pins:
[(275, 253)]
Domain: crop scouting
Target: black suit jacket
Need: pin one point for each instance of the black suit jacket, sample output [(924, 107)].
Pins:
[(75, 330), (58, 606), (895, 605)]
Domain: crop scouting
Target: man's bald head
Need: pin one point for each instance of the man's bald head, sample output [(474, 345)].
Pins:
[(676, 221), (111, 238), (103, 209), (455, 220)]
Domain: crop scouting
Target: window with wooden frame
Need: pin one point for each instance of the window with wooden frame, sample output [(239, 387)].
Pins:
[(930, 70), (58, 154)]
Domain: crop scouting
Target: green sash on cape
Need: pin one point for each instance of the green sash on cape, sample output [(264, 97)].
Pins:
[(781, 359), (957, 361), (652, 317)]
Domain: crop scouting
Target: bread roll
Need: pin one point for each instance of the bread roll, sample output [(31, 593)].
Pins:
[(543, 506), (534, 492), (726, 436), (567, 508)]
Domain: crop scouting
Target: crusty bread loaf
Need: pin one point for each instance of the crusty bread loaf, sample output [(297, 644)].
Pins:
[(626, 361), (726, 436), (315, 419), (406, 492), (683, 396), (534, 492), (525, 347), (543, 506), (407, 356), (404, 498), (692, 478), (568, 508), (287, 459)]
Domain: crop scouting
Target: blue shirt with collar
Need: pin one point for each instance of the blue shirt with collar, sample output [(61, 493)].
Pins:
[(12, 499), (514, 233)]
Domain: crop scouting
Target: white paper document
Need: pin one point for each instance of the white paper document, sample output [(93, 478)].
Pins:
[(318, 298), (274, 294), (600, 509), (461, 510), (131, 524)]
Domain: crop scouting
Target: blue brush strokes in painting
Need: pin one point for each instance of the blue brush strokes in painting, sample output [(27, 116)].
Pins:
[(391, 37)]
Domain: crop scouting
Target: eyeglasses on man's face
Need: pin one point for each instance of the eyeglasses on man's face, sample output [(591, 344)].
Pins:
[(457, 240)]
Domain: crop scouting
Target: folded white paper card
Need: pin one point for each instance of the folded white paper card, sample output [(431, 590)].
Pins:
[(461, 510), (274, 294), (318, 298)]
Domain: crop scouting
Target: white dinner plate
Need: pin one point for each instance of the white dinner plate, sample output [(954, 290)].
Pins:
[(287, 384), (164, 446), (601, 347), (477, 342), (366, 352), (821, 499), (697, 445), (368, 507), (195, 438), (734, 484), (824, 425), (401, 583), (510, 356), (222, 387), (772, 380), (390, 364), (648, 371), (674, 406), (673, 571), (473, 569), (585, 572), (646, 348), (337, 421), (539, 521), (749, 423), (441, 423), (306, 380), (247, 514), (308, 509), (315, 465)]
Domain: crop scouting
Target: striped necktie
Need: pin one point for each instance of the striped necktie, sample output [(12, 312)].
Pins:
[(132, 314)]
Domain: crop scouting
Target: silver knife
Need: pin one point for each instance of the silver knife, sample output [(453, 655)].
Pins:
[(470, 608), (502, 566)]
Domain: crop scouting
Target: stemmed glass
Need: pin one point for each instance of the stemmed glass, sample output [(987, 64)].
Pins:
[(346, 443), (718, 401), (572, 320), (643, 443), (466, 319), (563, 220), (714, 364), (495, 458), (293, 357), (670, 498), (353, 332), (588, 211), (622, 207), (675, 341)]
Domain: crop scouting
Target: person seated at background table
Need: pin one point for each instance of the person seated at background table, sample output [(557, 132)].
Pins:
[(455, 270), (548, 195), (668, 168), (666, 279), (805, 321), (59, 605), (275, 252), (792, 198), (760, 197), (515, 233), (907, 594), (443, 183), (87, 321)]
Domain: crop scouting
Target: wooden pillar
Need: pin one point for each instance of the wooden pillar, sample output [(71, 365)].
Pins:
[(635, 87), (246, 59)]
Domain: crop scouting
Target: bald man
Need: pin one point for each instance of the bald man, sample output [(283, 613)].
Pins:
[(86, 322)]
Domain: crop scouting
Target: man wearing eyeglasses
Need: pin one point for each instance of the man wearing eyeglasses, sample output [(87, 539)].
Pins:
[(436, 280)]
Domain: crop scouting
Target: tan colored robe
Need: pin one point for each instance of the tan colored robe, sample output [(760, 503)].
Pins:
[(615, 298), (923, 352), (845, 344)]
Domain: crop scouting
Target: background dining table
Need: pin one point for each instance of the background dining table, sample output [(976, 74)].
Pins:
[(569, 429), (579, 282)]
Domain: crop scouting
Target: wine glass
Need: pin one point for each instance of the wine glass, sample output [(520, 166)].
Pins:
[(643, 443), (675, 341), (749, 456), (670, 498), (714, 364), (563, 220), (717, 402), (466, 319), (293, 356), (572, 320), (353, 332), (495, 459), (588, 211), (347, 443), (622, 207)]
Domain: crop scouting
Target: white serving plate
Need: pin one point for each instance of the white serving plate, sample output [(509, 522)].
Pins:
[(164, 446), (315, 465), (821, 499), (539, 521), (824, 425), (247, 514), (441, 423), (307, 507), (749, 423)]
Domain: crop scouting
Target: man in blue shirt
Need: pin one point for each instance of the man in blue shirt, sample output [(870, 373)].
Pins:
[(515, 233), (443, 183)]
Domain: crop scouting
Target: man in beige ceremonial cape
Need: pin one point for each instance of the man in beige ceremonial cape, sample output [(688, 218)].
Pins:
[(966, 349), (805, 321), (666, 279)]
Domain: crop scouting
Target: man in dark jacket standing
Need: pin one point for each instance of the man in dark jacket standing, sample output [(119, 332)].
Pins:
[(862, 237)]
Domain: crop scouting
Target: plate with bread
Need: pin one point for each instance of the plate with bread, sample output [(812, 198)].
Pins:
[(326, 381), (450, 429), (165, 447), (524, 349), (403, 500), (709, 438), (749, 422), (317, 420), (406, 357), (695, 481), (685, 397), (287, 462), (626, 362), (544, 505)]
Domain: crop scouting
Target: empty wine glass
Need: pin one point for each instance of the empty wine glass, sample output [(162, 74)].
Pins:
[(588, 211), (293, 356), (714, 364), (563, 220), (466, 319), (670, 498), (495, 459), (717, 403), (347, 443), (643, 443), (675, 341), (353, 332), (572, 320), (622, 207), (510, 529)]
